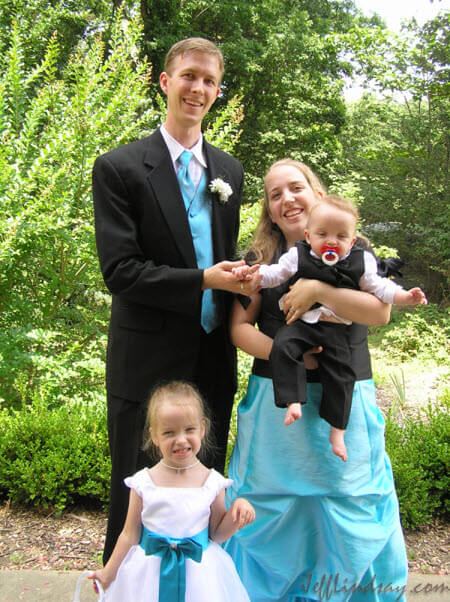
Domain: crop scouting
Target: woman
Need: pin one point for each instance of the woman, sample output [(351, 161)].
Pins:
[(324, 529)]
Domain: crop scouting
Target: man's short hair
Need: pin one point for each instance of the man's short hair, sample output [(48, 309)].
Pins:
[(193, 45)]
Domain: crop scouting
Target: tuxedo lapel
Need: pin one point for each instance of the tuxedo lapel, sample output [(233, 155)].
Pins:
[(217, 169), (164, 183)]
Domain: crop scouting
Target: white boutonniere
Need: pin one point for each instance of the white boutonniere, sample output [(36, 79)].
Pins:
[(223, 189)]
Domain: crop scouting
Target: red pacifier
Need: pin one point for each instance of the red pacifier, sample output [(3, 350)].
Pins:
[(330, 255)]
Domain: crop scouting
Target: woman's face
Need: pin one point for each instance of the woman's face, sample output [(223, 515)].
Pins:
[(290, 200)]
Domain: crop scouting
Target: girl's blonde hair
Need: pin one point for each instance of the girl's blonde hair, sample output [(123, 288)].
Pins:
[(177, 392), (268, 236)]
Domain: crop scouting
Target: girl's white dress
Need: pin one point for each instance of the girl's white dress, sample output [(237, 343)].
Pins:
[(177, 512)]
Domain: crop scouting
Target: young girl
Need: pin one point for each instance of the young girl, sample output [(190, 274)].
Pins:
[(176, 508)]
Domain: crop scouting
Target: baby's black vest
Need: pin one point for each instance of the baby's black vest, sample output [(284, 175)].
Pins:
[(344, 274)]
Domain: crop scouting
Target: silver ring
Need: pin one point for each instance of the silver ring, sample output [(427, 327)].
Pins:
[(242, 286)]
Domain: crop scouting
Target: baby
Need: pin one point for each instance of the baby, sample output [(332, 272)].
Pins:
[(327, 255)]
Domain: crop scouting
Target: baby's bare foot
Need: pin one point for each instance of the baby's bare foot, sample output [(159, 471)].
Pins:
[(293, 413), (338, 443)]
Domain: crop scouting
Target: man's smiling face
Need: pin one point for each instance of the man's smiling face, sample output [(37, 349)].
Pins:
[(191, 88)]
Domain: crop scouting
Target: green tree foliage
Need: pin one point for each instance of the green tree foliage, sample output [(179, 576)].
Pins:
[(397, 148), (282, 58), (36, 21)]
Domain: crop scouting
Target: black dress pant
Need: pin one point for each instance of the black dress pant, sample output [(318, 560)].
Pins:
[(336, 375), (126, 422)]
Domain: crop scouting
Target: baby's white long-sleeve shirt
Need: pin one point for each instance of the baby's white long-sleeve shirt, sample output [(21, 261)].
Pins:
[(370, 282)]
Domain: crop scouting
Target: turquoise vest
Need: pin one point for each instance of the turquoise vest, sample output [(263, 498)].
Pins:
[(199, 212)]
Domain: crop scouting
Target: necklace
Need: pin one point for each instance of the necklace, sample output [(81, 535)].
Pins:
[(179, 469)]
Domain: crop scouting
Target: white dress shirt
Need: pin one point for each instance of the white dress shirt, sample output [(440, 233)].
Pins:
[(198, 161)]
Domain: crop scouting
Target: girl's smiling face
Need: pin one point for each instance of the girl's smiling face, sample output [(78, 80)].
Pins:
[(178, 433), (290, 198)]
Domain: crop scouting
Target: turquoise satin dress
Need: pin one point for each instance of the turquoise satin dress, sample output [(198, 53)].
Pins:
[(324, 529)]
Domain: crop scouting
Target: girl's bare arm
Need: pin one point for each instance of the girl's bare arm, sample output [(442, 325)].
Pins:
[(130, 536)]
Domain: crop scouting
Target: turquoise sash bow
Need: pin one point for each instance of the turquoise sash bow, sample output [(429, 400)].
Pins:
[(173, 552)]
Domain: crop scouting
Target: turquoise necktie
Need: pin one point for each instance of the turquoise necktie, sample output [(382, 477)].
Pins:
[(184, 178)]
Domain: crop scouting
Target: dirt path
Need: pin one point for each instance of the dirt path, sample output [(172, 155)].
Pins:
[(74, 540)]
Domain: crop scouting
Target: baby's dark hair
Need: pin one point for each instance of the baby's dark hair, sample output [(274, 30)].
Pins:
[(181, 393)]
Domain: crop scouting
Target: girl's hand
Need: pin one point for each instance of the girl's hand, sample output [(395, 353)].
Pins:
[(242, 512), (101, 576), (293, 413)]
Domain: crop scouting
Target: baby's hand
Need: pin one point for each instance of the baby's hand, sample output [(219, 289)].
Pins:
[(245, 272), (416, 296), (240, 273), (293, 413), (242, 512)]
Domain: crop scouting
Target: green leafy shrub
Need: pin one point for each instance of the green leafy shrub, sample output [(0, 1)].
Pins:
[(54, 456), (245, 362), (420, 456), (422, 331), (53, 123)]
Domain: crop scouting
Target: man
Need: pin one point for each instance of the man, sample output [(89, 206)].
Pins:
[(163, 238)]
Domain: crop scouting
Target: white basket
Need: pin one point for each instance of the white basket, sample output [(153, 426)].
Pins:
[(81, 579)]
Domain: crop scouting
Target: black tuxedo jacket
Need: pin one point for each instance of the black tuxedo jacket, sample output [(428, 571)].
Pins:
[(148, 263)]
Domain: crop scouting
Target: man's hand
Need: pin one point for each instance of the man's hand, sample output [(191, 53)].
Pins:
[(220, 276)]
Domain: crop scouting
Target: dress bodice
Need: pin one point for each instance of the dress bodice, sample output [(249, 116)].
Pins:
[(176, 511)]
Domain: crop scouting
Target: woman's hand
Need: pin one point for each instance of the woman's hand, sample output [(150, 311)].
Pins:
[(302, 295), (357, 306)]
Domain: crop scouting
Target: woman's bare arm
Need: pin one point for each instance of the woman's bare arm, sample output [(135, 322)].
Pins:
[(243, 332), (357, 306)]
